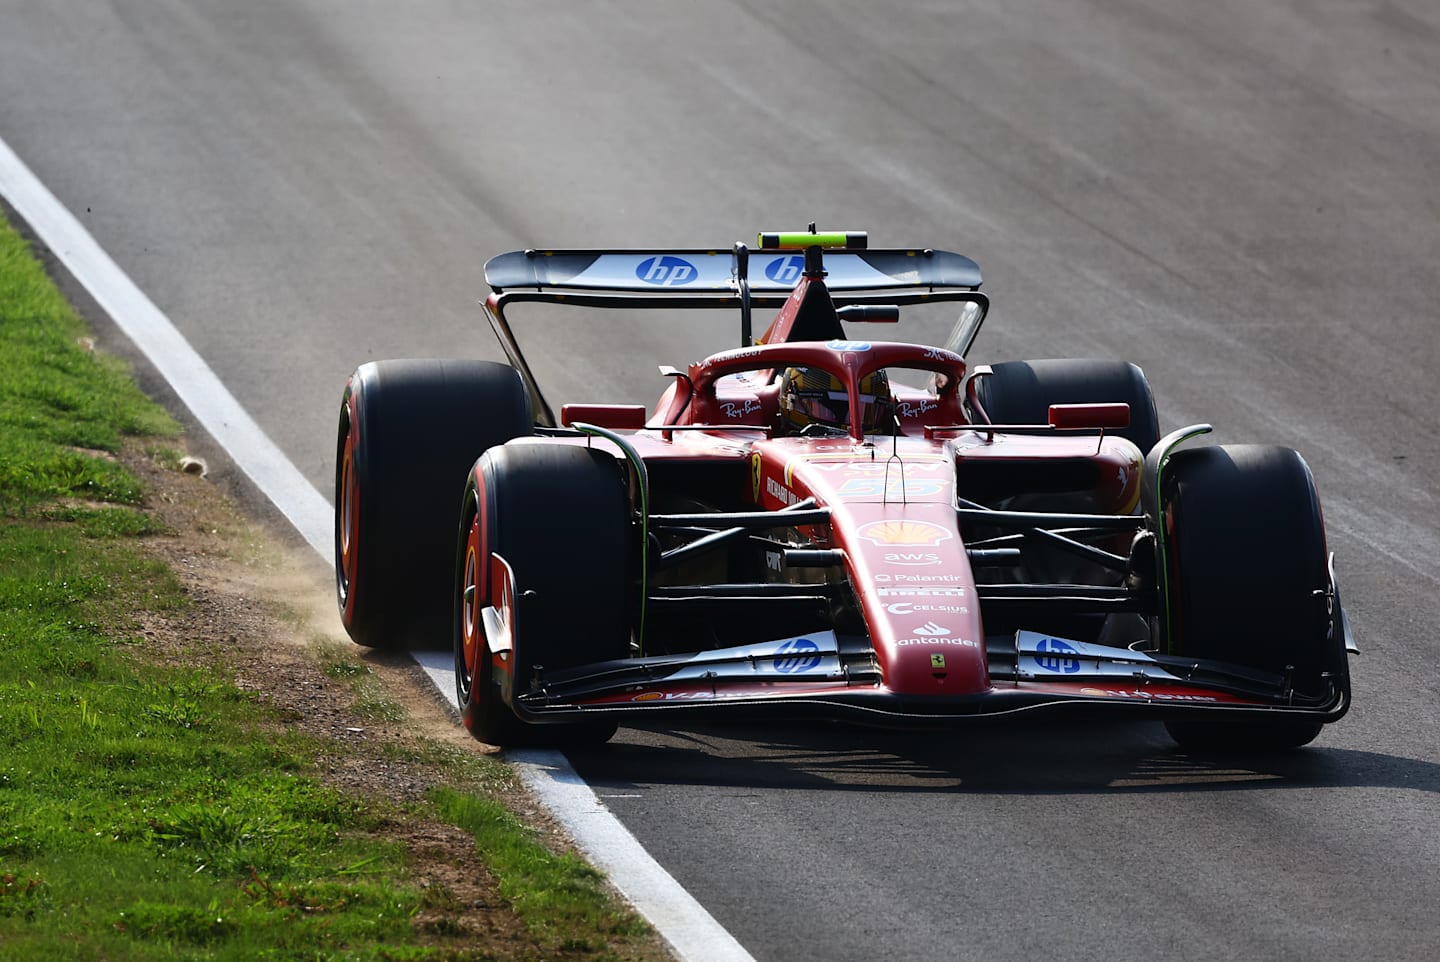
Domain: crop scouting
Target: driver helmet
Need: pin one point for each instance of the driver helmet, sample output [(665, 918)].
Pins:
[(812, 396)]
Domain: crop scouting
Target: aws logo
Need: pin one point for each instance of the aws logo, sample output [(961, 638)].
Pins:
[(912, 558)]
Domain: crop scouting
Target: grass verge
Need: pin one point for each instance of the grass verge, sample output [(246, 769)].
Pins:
[(151, 808)]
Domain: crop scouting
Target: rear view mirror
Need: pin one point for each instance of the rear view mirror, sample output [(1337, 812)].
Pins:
[(621, 417), (1081, 416)]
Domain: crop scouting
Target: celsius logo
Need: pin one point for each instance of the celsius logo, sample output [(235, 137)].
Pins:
[(666, 271), (799, 655), (909, 608), (1049, 655), (785, 270)]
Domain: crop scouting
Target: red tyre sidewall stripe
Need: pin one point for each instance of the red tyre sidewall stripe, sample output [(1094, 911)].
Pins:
[(472, 627), (483, 585), (482, 514), (350, 548), (477, 554)]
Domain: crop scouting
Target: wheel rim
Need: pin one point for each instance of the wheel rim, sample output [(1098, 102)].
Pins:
[(348, 519), (471, 633)]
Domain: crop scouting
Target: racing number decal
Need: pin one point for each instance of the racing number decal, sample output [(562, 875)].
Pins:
[(898, 486)]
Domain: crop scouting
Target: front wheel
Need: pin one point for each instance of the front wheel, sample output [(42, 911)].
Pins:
[(1246, 581), (559, 516)]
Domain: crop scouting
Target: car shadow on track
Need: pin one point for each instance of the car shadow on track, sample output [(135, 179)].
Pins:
[(1028, 758)]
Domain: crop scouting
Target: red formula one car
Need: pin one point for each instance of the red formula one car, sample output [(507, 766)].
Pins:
[(823, 524)]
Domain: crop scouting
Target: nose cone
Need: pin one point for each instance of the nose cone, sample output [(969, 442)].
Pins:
[(918, 594)]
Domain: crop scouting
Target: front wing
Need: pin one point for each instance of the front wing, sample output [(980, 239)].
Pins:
[(825, 676)]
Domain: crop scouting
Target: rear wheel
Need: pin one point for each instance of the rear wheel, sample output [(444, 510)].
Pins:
[(559, 515), (1021, 392), (1247, 575), (409, 430)]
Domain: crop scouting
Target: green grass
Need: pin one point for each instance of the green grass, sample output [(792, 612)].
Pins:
[(565, 892), (60, 403), (153, 812)]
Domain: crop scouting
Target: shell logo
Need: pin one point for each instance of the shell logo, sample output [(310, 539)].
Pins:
[(886, 533)]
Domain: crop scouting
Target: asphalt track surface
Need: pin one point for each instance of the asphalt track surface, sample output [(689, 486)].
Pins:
[(1239, 196)]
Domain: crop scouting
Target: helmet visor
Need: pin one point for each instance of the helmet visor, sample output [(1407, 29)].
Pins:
[(833, 408)]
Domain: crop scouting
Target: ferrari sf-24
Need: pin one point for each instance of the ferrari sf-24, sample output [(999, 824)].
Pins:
[(821, 524)]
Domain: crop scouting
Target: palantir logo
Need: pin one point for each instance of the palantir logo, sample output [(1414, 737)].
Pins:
[(666, 271), (797, 655), (785, 270), (1049, 652)]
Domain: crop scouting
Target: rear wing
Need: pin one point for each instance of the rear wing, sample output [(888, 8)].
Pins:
[(707, 271), (738, 277)]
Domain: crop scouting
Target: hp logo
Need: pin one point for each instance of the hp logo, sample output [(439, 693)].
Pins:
[(795, 656), (666, 271), (785, 270), (1050, 656)]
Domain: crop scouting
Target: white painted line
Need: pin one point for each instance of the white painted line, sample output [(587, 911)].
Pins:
[(682, 921), (166, 348), (674, 913), (439, 667)]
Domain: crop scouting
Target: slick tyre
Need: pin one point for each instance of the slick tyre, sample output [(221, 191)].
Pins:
[(1246, 576), (559, 516), (1021, 392), (408, 432)]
